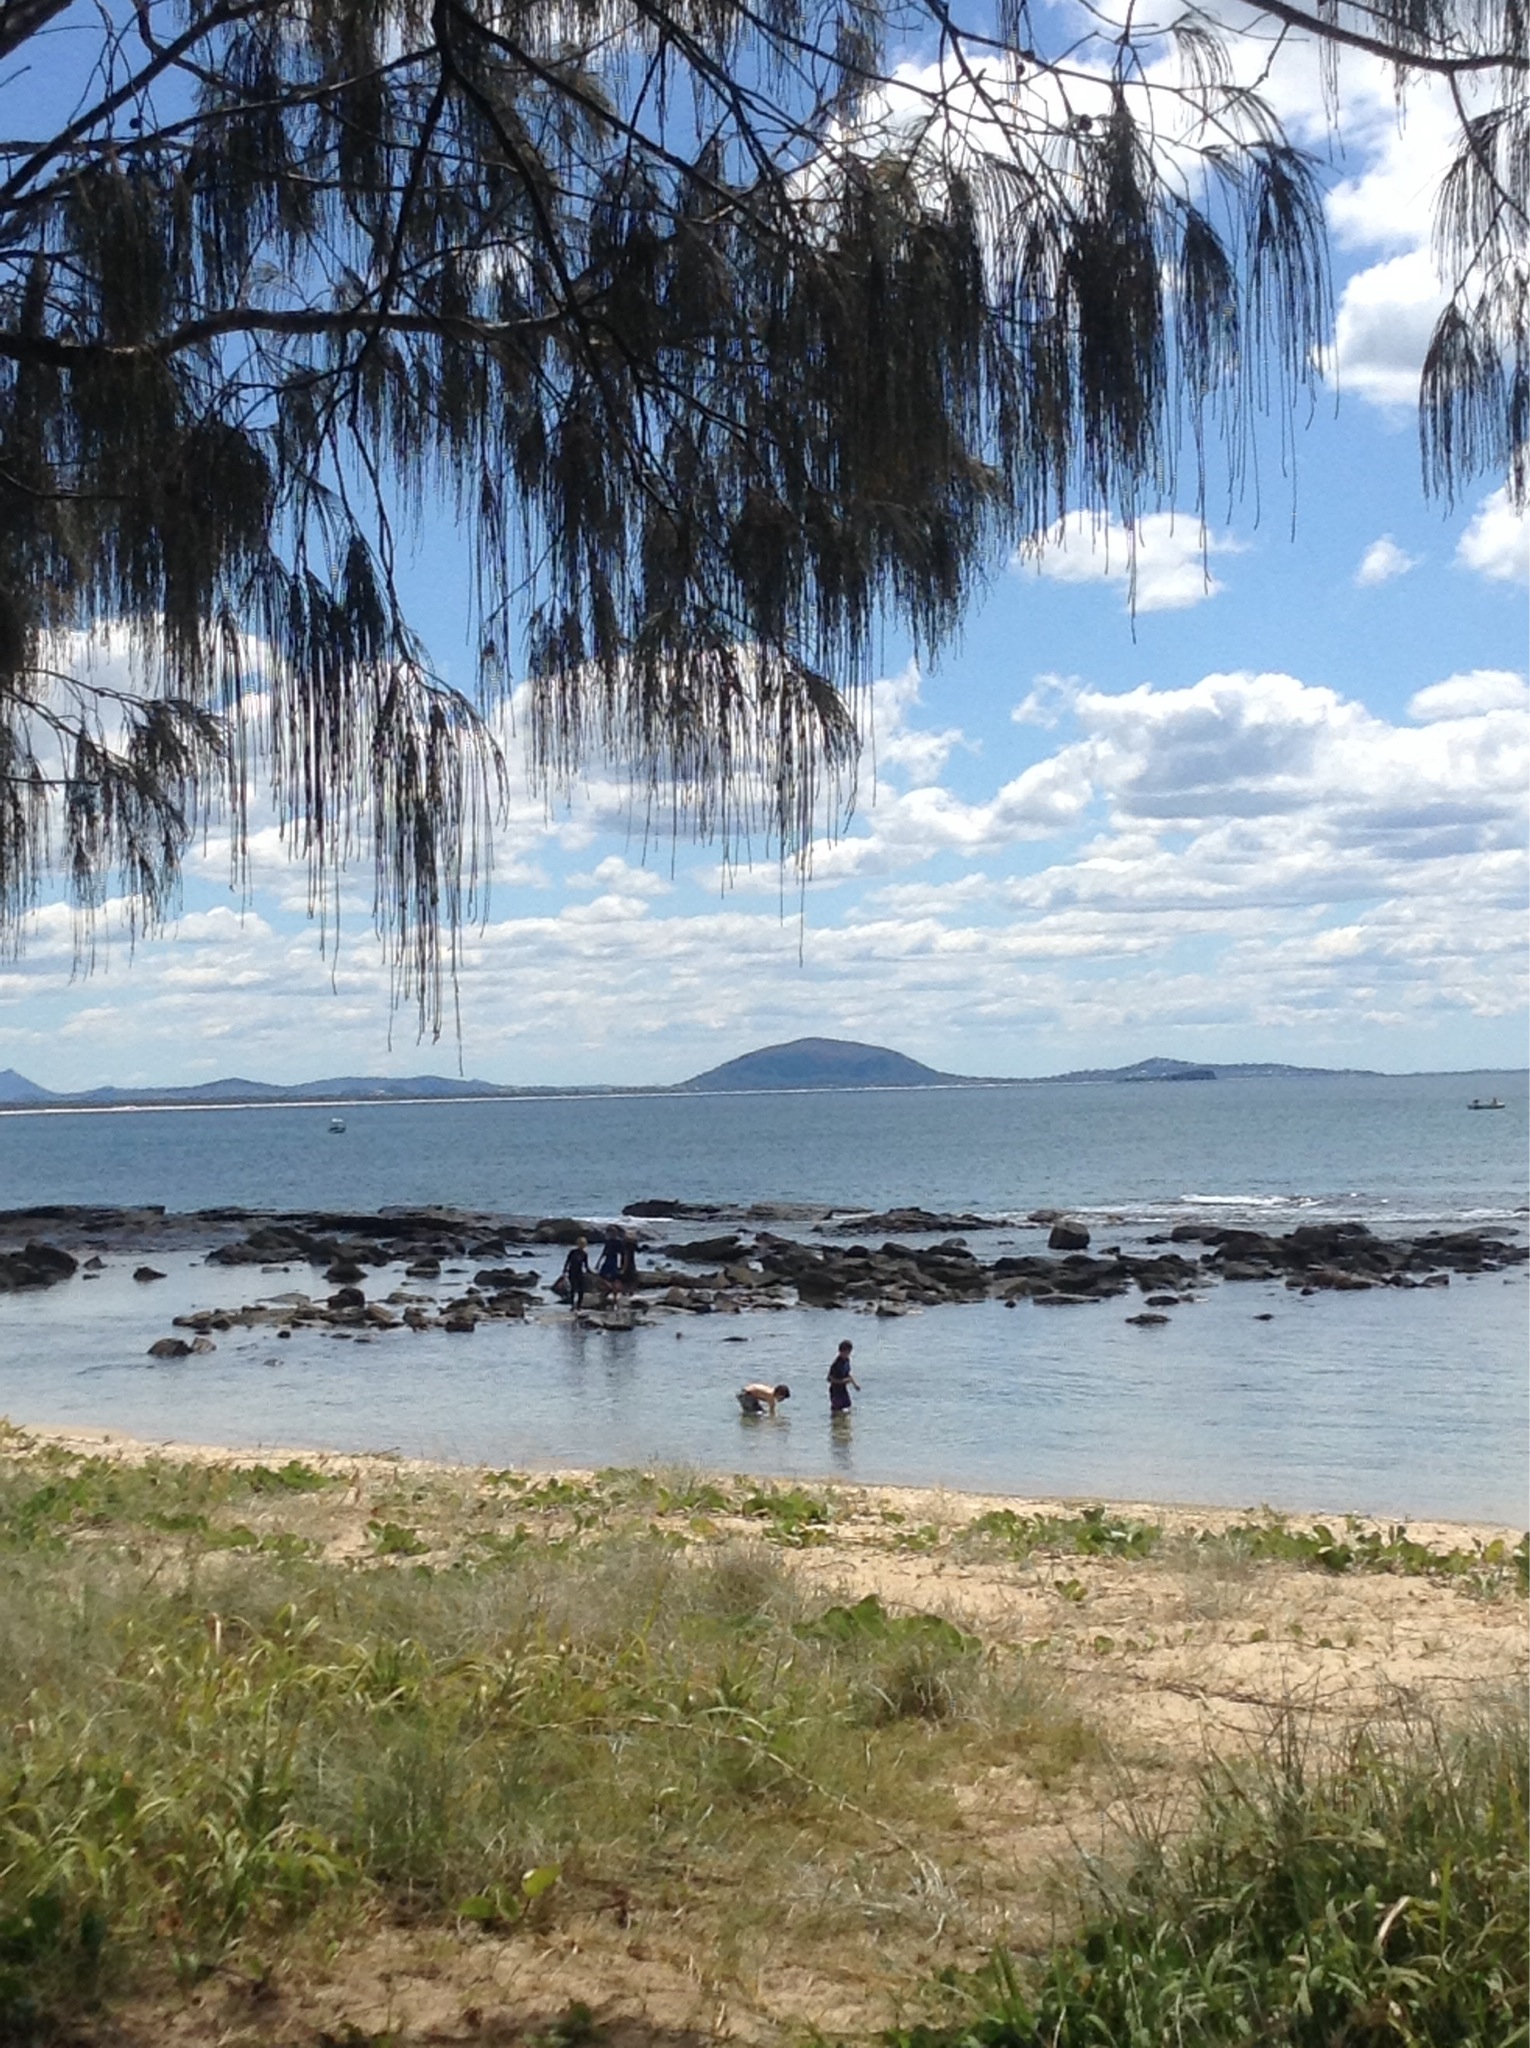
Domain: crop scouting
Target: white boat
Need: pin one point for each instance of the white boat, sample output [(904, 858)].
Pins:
[(336, 1125), (1478, 1103)]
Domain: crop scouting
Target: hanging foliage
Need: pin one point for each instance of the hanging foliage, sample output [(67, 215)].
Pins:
[(723, 339)]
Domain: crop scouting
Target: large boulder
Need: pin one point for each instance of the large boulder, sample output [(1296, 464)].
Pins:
[(1068, 1235), (562, 1230), (708, 1251), (35, 1265)]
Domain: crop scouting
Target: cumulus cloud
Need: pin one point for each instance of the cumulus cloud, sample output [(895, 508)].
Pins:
[(1385, 317), (1384, 561), (1245, 851), (899, 745), (1497, 543), (1470, 695), (1163, 564), (616, 876)]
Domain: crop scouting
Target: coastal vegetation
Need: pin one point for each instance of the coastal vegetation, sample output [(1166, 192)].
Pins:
[(264, 1721)]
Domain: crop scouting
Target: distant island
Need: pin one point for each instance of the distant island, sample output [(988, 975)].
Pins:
[(801, 1063)]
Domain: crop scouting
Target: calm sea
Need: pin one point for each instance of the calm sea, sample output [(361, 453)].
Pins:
[(1409, 1404)]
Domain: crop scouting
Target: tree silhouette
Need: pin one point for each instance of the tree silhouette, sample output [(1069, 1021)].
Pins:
[(722, 336)]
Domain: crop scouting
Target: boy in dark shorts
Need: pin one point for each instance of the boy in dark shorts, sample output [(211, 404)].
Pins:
[(841, 1380), (758, 1399)]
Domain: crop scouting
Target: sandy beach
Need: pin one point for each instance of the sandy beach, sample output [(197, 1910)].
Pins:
[(1158, 1662)]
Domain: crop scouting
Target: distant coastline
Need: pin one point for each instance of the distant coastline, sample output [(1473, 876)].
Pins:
[(804, 1067)]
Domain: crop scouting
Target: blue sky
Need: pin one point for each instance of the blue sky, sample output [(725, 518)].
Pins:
[(1279, 814)]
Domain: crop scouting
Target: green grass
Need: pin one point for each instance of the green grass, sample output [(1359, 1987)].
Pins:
[(1091, 1533), (1488, 1568), (503, 1703), (1485, 1568), (1376, 1898), (213, 1741)]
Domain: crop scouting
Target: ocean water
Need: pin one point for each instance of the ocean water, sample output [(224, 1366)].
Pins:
[(1403, 1404), (1391, 1149)]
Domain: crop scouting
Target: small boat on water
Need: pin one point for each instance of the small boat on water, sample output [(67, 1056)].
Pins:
[(337, 1125), (1478, 1103)]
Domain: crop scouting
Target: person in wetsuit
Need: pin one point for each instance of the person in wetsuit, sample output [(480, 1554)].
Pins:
[(841, 1380), (576, 1270), (612, 1253), (627, 1271)]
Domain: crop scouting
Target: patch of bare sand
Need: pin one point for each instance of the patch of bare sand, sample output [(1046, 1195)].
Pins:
[(1145, 1668)]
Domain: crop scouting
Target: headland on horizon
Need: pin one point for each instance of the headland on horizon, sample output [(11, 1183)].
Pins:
[(798, 1064)]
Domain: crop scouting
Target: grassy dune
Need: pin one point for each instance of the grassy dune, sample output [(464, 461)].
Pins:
[(268, 1732)]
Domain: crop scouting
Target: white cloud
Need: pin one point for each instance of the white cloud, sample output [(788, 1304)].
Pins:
[(1497, 543), (1161, 565), (1383, 561), (1469, 696), (1385, 317), (898, 745), (615, 876)]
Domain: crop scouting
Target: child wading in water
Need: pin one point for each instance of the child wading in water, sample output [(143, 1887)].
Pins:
[(841, 1380), (758, 1399)]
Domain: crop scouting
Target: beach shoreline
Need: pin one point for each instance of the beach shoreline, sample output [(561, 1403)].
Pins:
[(956, 1505)]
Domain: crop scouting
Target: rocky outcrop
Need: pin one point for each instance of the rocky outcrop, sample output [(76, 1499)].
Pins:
[(35, 1265), (1345, 1257), (744, 1266), (1068, 1235), (909, 1222)]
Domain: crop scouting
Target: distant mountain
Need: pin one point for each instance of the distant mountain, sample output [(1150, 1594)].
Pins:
[(16, 1087), (343, 1088), (802, 1063), (1143, 1070), (818, 1063), (18, 1092)]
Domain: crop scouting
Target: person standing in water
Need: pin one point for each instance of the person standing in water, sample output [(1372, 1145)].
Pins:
[(841, 1380), (611, 1252), (576, 1270)]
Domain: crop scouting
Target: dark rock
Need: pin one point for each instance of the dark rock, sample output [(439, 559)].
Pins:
[(819, 1289), (423, 1269), (169, 1347), (708, 1250), (147, 1273), (662, 1206), (561, 1230), (35, 1265), (347, 1297), (506, 1276), (347, 1270), (1067, 1235), (923, 1222), (1147, 1321), (200, 1346)]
